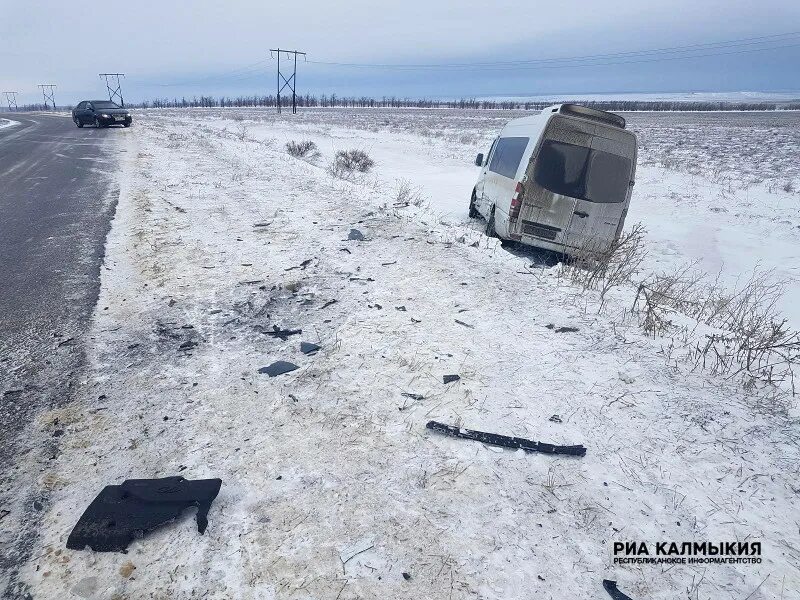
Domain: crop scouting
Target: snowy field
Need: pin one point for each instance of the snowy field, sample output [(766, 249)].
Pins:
[(332, 486)]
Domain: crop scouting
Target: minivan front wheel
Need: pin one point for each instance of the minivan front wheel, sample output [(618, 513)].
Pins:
[(490, 230), (473, 212)]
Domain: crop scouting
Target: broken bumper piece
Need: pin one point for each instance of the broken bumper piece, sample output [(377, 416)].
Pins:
[(122, 513)]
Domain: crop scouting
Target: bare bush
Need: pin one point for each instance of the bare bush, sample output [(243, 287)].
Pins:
[(303, 149), (595, 267), (747, 338), (407, 195), (241, 130), (348, 162)]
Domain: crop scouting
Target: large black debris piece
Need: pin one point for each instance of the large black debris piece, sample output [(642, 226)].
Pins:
[(355, 235), (611, 588), (494, 439), (122, 513), (450, 378), (278, 368)]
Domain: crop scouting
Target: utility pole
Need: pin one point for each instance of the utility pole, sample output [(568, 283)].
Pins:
[(11, 99), (291, 83), (48, 91), (114, 89)]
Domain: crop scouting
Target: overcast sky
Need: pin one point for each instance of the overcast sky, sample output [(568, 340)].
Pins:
[(171, 49)]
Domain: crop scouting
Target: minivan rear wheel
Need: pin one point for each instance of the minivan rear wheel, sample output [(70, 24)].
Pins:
[(490, 230)]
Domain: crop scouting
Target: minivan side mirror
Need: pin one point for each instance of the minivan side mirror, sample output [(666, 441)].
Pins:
[(479, 160)]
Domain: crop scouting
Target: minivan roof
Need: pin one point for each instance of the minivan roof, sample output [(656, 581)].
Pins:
[(570, 110)]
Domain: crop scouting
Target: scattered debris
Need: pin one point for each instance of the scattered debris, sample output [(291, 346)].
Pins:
[(413, 320), (12, 392), (611, 588), (328, 303), (450, 378), (394, 262), (555, 419), (283, 334), (4, 513), (355, 235), (278, 368), (261, 224), (465, 324), (562, 329), (400, 308), (309, 348), (494, 439), (187, 345), (413, 396), (406, 575), (302, 265), (66, 341), (122, 513)]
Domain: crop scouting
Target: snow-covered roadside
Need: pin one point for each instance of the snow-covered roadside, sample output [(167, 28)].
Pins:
[(7, 123), (723, 227), (331, 461)]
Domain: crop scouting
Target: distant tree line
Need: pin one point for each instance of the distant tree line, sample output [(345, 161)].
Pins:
[(334, 101)]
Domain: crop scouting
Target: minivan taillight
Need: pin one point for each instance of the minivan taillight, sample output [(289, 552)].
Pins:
[(516, 201)]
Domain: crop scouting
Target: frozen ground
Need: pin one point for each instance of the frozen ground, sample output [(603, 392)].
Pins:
[(332, 486), (7, 123)]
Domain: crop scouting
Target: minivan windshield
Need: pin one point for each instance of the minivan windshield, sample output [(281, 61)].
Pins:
[(583, 173), (105, 104)]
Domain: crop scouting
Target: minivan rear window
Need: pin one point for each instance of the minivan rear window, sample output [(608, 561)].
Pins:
[(507, 154), (583, 173)]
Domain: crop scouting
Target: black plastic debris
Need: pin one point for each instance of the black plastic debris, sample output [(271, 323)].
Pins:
[(122, 513), (356, 235), (412, 396), (555, 419), (611, 588), (309, 348), (562, 329), (494, 439), (465, 324), (406, 575), (278, 368), (282, 334), (400, 308), (450, 378), (187, 345)]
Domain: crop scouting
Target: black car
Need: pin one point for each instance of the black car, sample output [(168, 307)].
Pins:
[(100, 113)]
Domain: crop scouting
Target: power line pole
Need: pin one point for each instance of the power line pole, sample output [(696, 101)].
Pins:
[(114, 89), (11, 99), (291, 83), (48, 91)]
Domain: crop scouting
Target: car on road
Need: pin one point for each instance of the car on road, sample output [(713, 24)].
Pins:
[(100, 113), (560, 180)]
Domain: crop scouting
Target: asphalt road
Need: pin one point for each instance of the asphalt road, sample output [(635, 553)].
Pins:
[(57, 197)]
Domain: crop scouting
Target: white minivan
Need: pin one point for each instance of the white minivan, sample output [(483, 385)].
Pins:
[(560, 180)]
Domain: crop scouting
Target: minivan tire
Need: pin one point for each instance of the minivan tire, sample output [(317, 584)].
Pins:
[(78, 123), (490, 230), (473, 212), (97, 123)]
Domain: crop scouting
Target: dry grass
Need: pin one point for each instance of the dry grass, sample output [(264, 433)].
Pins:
[(347, 163), (303, 149)]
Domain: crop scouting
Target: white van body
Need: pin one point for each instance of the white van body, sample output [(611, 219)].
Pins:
[(560, 180)]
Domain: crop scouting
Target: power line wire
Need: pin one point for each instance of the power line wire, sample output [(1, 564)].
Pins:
[(658, 52)]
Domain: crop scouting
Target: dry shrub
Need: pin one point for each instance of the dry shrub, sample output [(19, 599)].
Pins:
[(602, 270), (346, 163), (407, 195), (303, 149), (748, 338)]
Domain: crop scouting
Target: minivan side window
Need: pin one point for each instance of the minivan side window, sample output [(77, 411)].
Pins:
[(507, 154)]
